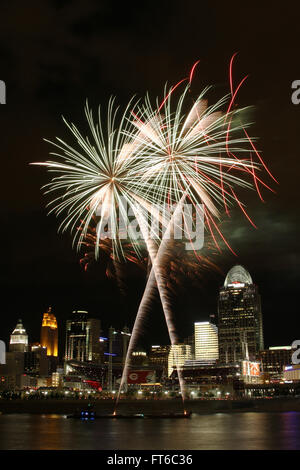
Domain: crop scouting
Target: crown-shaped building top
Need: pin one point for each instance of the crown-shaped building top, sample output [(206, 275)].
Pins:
[(237, 275), (49, 319), (19, 338), (49, 333)]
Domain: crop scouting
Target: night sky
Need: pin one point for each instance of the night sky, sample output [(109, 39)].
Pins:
[(54, 55)]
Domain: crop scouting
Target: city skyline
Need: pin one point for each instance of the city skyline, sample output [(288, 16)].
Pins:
[(232, 347), (212, 362), (41, 266), (231, 279)]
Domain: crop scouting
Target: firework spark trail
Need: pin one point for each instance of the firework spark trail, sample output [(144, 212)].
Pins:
[(156, 257), (200, 152), (99, 181), (174, 147), (160, 145), (102, 178), (156, 279), (143, 310), (151, 159)]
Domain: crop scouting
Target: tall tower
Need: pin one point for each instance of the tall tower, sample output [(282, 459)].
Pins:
[(82, 338), (49, 333), (18, 339), (240, 319), (179, 353), (76, 344), (93, 329), (206, 341)]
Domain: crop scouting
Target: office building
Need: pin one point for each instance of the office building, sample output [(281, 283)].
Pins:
[(49, 333), (139, 357), (178, 355), (291, 373), (206, 342), (57, 378), (83, 338), (158, 357), (93, 331), (240, 327), (117, 343), (18, 339), (36, 361), (191, 341), (274, 360)]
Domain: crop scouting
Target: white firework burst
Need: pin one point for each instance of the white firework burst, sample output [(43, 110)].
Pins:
[(101, 177)]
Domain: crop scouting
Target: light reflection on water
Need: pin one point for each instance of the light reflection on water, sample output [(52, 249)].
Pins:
[(211, 431)]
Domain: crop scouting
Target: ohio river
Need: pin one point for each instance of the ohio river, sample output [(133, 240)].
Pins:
[(223, 431)]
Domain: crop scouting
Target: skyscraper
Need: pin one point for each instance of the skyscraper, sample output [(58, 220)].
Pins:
[(18, 339), (206, 341), (274, 359), (179, 353), (82, 337), (49, 333), (93, 330), (76, 336), (240, 318), (36, 361), (159, 356)]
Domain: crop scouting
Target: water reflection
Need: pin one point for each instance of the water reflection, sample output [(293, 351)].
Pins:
[(213, 431)]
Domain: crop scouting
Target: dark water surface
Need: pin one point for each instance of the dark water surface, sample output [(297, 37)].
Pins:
[(212, 431)]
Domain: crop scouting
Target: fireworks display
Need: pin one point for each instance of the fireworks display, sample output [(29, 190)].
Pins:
[(101, 177), (158, 156), (149, 160), (201, 156)]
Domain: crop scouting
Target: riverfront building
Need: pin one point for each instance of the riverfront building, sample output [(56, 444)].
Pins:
[(274, 360), (239, 318), (49, 333), (18, 339), (178, 355), (83, 338), (206, 342)]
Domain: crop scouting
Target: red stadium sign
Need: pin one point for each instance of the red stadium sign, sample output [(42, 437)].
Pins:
[(141, 376)]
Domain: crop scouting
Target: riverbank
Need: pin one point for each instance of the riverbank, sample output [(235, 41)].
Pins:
[(52, 406)]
